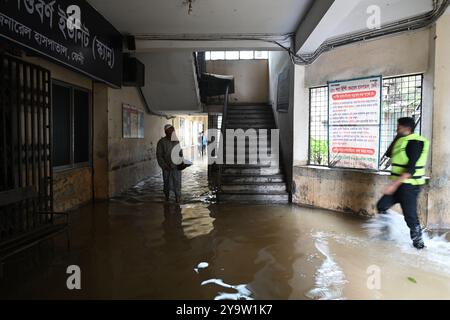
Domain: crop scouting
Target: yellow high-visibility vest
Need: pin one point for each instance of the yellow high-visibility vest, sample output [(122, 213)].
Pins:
[(400, 160)]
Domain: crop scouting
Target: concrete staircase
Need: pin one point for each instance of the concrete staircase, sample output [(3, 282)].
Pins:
[(252, 183)]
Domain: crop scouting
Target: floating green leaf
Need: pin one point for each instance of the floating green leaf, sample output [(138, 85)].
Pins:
[(412, 279)]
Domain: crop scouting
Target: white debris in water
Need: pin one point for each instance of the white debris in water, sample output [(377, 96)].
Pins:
[(201, 266), (329, 278), (243, 293)]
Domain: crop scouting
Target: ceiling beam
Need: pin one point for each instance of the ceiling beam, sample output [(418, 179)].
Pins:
[(312, 19), (200, 42)]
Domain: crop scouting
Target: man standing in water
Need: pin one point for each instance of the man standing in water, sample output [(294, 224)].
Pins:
[(167, 146), (409, 158)]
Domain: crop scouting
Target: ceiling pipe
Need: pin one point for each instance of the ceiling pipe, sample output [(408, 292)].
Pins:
[(405, 25)]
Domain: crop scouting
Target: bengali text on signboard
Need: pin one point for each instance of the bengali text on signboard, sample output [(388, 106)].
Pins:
[(354, 129), (94, 47)]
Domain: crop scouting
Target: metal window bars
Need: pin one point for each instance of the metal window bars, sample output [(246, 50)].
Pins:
[(25, 144)]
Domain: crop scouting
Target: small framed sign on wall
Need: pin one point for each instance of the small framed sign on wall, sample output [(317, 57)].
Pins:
[(132, 122)]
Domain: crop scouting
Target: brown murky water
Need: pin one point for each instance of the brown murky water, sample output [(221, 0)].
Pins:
[(138, 247)]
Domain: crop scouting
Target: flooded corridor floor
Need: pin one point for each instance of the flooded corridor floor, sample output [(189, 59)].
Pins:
[(138, 247)]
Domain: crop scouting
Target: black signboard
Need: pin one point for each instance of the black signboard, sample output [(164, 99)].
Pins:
[(91, 45)]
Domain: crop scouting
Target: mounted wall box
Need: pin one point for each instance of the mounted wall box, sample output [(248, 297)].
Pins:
[(133, 72)]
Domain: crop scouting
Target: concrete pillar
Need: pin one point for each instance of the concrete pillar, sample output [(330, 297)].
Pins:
[(301, 117), (439, 196), (100, 142)]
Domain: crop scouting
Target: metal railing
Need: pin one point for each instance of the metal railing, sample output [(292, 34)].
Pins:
[(223, 141)]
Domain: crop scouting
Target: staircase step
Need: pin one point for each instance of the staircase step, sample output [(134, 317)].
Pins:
[(254, 187), (250, 111), (258, 162), (250, 107), (249, 115), (247, 127), (278, 178), (251, 150), (282, 197), (253, 116), (248, 170), (250, 122)]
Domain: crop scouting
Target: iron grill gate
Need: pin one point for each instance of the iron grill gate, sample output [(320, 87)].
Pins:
[(25, 146)]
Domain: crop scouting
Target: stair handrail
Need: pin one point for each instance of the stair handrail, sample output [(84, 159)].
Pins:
[(223, 129)]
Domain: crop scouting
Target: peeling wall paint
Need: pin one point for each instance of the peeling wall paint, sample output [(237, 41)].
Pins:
[(72, 188)]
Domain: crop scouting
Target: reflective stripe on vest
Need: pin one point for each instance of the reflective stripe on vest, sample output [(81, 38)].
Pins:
[(400, 159)]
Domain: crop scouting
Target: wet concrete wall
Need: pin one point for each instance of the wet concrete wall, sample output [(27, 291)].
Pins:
[(100, 141), (439, 206), (251, 78), (344, 190), (72, 189)]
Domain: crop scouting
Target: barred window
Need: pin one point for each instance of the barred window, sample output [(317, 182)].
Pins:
[(402, 97), (318, 129)]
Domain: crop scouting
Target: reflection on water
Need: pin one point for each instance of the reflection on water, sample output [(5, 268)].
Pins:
[(194, 188), (136, 246)]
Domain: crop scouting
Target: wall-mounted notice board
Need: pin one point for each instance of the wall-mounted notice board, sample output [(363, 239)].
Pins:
[(354, 108), (132, 122)]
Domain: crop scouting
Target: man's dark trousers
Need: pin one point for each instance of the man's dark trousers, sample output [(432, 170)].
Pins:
[(406, 196)]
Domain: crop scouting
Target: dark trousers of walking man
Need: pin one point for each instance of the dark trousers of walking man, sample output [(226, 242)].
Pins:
[(406, 196)]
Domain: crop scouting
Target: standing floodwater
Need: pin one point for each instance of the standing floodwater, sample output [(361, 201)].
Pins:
[(138, 246)]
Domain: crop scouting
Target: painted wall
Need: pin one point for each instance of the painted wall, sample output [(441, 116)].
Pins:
[(171, 81), (251, 78), (347, 190), (130, 160), (278, 62), (390, 56)]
